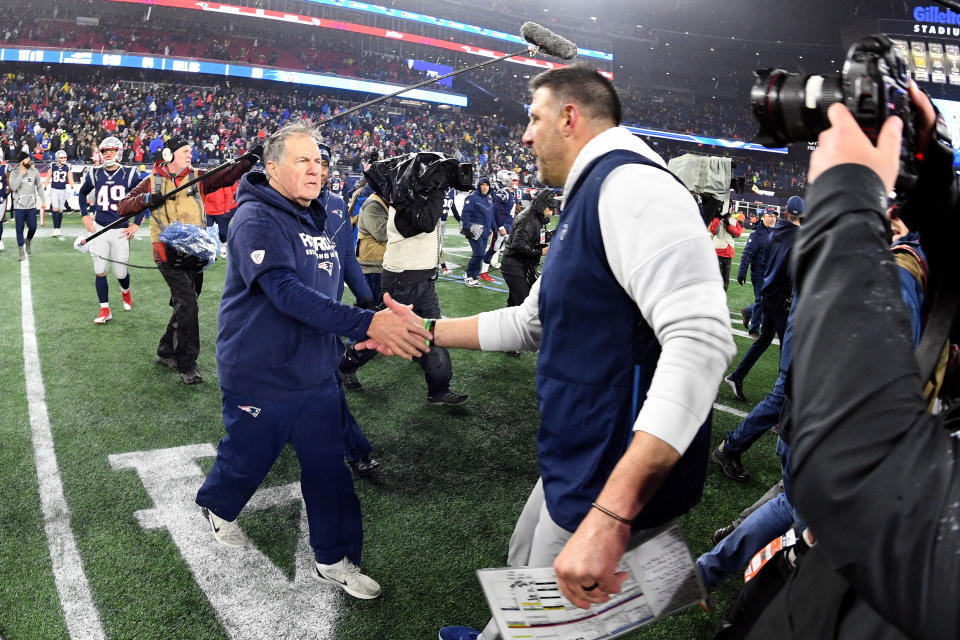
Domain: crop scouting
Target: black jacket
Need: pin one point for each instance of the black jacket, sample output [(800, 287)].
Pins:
[(874, 475), (524, 243)]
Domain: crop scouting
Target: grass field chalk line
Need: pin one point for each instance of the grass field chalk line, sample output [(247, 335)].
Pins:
[(83, 621)]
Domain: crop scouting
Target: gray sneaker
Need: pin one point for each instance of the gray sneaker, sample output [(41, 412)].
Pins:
[(347, 576), (23, 254), (27, 244), (227, 532)]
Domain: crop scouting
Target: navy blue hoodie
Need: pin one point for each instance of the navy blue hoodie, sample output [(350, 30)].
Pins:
[(279, 317), (776, 278), (478, 208)]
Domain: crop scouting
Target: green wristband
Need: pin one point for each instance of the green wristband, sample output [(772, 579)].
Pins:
[(429, 324)]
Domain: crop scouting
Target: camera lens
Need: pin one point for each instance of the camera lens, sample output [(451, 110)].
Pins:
[(791, 107)]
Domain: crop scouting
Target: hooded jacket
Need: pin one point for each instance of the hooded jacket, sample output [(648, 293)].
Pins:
[(478, 209), (755, 254), (776, 278), (26, 188), (279, 318)]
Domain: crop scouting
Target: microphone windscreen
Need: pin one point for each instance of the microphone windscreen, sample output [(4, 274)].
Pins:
[(548, 42)]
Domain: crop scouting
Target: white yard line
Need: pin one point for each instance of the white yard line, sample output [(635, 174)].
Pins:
[(726, 409), (83, 621)]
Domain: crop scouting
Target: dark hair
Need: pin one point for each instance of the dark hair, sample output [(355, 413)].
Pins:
[(541, 201), (582, 85)]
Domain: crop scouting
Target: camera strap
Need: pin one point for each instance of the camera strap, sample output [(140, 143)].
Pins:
[(937, 329)]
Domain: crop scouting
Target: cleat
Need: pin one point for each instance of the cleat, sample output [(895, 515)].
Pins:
[(347, 576), (192, 376), (459, 633), (449, 397), (730, 464), (169, 363), (103, 316), (364, 466), (127, 300), (486, 277), (736, 386), (227, 532)]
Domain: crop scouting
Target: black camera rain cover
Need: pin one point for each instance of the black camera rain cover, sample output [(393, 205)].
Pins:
[(414, 184)]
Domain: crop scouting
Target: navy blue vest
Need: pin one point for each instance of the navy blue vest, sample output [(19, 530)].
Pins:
[(597, 358)]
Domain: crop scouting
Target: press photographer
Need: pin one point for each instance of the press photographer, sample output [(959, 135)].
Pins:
[(874, 474)]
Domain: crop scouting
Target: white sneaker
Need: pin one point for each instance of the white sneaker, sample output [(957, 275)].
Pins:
[(225, 531), (347, 576), (2, 248), (471, 282), (223, 252), (446, 271), (56, 233)]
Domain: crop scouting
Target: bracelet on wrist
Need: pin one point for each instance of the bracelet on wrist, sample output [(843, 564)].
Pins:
[(429, 324), (613, 515)]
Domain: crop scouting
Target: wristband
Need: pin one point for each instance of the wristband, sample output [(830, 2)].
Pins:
[(611, 514), (429, 324)]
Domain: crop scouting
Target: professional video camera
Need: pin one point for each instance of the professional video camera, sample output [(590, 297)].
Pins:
[(414, 184), (873, 84)]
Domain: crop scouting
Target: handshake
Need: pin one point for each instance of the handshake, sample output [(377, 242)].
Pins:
[(397, 331)]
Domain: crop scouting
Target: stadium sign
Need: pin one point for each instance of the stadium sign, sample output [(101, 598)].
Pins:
[(934, 21)]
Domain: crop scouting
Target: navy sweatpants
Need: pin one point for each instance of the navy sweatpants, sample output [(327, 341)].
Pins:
[(257, 430)]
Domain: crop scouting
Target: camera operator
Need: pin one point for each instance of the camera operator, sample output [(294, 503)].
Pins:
[(525, 245), (26, 188), (723, 233), (874, 475)]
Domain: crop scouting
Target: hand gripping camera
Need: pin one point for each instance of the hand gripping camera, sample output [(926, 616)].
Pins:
[(414, 184), (873, 85)]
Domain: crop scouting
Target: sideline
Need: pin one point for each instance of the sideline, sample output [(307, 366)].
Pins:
[(83, 621)]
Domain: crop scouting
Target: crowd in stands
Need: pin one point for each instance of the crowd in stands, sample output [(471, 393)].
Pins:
[(73, 111)]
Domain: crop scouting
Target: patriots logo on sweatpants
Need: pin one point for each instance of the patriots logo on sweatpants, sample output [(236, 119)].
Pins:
[(254, 411), (326, 266)]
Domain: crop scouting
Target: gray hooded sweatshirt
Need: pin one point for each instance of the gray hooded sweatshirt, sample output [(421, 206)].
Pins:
[(26, 188)]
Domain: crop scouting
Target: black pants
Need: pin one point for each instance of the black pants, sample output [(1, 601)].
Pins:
[(182, 337), (436, 363), (519, 279), (774, 323), (725, 270)]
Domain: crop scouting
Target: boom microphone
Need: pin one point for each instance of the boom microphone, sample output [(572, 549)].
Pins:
[(540, 37), (547, 41)]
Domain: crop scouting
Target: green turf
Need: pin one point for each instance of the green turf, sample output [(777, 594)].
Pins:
[(453, 482)]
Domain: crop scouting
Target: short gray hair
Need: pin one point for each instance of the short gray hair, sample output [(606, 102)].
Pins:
[(275, 147)]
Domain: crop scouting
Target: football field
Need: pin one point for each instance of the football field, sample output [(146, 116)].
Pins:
[(102, 451)]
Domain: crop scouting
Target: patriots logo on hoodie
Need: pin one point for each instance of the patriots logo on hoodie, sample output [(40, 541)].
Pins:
[(326, 266)]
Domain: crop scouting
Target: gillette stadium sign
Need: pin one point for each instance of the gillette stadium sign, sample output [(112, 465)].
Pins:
[(935, 21)]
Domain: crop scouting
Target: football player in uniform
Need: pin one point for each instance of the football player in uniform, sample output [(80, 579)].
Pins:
[(336, 184), (504, 205), (107, 186), (59, 178)]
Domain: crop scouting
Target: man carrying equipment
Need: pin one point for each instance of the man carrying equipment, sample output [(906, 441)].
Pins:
[(180, 344)]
